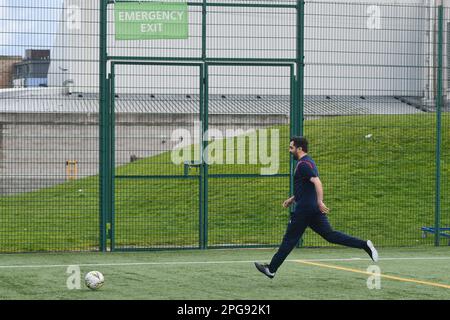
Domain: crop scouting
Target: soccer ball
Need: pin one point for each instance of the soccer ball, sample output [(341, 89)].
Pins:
[(94, 280)]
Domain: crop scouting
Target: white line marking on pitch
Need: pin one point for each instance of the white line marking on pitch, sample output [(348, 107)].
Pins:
[(201, 262)]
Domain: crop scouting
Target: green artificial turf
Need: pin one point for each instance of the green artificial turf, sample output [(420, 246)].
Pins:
[(228, 275)]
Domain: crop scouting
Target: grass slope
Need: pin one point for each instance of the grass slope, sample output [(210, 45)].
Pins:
[(380, 188)]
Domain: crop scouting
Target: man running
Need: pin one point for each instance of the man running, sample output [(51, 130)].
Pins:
[(310, 211)]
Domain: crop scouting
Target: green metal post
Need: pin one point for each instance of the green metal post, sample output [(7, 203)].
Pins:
[(111, 222), (299, 96), (204, 162), (201, 237), (437, 216), (292, 129), (103, 127), (203, 229), (204, 8), (204, 166), (298, 114)]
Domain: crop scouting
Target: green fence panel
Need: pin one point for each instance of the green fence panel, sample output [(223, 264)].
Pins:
[(248, 160), (89, 124), (156, 124), (49, 141), (371, 124)]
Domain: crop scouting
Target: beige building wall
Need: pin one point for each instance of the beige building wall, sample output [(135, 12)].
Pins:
[(6, 70)]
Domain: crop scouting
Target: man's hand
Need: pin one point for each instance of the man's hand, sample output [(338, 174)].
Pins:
[(323, 208), (288, 202)]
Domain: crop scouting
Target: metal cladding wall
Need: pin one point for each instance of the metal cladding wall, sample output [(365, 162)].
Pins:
[(350, 48), (362, 49)]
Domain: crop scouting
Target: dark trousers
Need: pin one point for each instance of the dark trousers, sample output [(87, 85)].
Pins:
[(318, 222)]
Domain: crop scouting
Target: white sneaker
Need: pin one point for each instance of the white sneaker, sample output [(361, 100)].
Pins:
[(264, 268), (373, 253)]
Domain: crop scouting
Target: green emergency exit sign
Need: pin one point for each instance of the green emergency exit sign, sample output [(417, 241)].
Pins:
[(151, 20)]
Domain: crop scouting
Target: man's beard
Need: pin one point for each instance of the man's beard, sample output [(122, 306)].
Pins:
[(295, 156)]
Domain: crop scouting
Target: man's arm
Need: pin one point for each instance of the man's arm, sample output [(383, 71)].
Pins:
[(288, 202), (319, 191)]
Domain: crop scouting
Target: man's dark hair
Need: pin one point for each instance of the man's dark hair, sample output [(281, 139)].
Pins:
[(300, 142)]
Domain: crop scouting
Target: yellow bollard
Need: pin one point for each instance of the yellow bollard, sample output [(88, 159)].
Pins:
[(71, 169)]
